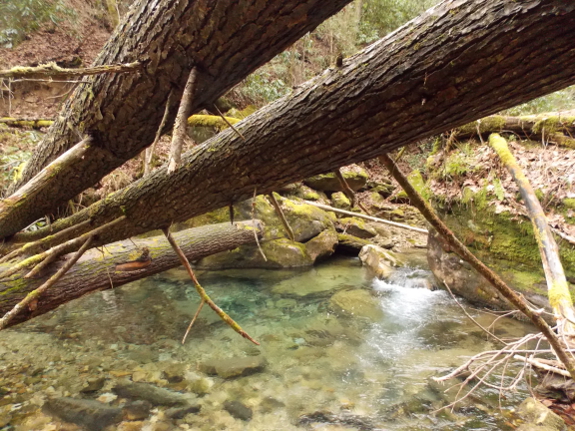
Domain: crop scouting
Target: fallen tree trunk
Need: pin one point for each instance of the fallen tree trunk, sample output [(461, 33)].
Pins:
[(557, 287), (122, 113), (419, 81), (550, 128), (116, 264)]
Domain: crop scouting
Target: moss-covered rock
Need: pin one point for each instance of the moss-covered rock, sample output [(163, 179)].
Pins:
[(322, 246), (356, 178), (280, 253), (306, 221), (349, 244), (418, 183), (463, 280), (356, 227), (341, 201)]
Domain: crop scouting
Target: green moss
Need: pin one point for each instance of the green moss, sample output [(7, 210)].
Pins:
[(496, 237), (569, 203)]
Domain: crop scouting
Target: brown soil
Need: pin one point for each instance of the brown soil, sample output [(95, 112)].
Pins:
[(70, 43)]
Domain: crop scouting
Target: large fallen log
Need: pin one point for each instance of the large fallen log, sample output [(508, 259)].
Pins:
[(226, 40), (454, 64), (118, 264)]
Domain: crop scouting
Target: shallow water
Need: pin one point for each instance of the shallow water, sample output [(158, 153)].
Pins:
[(363, 373)]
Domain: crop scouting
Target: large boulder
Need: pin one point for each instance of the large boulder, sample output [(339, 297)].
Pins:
[(322, 246), (356, 226), (355, 177), (280, 253), (349, 244), (377, 260), (306, 221), (465, 281), (356, 303), (538, 417)]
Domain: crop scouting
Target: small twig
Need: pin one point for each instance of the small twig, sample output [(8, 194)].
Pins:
[(543, 366), (203, 295), (149, 153), (345, 186), (229, 124), (282, 216), (35, 294), (181, 122), (471, 318), (255, 233), (202, 302)]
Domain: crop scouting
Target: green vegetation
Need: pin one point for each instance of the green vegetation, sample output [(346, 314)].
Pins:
[(19, 17), (342, 35), (15, 148), (562, 100)]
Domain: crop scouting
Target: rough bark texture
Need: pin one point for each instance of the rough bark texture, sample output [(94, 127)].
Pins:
[(95, 271), (458, 62), (225, 40)]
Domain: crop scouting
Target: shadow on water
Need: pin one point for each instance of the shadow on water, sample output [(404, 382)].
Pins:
[(324, 368)]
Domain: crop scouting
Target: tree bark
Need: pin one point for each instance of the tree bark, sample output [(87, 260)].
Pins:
[(557, 287), (97, 270), (456, 63), (226, 40)]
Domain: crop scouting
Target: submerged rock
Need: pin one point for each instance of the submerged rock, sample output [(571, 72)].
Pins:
[(137, 410), (155, 395), (317, 282), (93, 385), (344, 418), (538, 417), (91, 414), (181, 412), (234, 367), (356, 303), (238, 410)]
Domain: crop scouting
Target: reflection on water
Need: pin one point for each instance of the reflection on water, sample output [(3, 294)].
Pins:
[(322, 369)]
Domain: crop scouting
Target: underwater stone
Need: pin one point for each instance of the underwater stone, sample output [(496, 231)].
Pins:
[(94, 415), (155, 395), (137, 410), (357, 303), (234, 367), (238, 410)]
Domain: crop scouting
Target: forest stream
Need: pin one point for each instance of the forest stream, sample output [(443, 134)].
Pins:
[(315, 369)]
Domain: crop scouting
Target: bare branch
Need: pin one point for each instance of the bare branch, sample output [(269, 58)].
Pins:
[(52, 70), (33, 296)]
